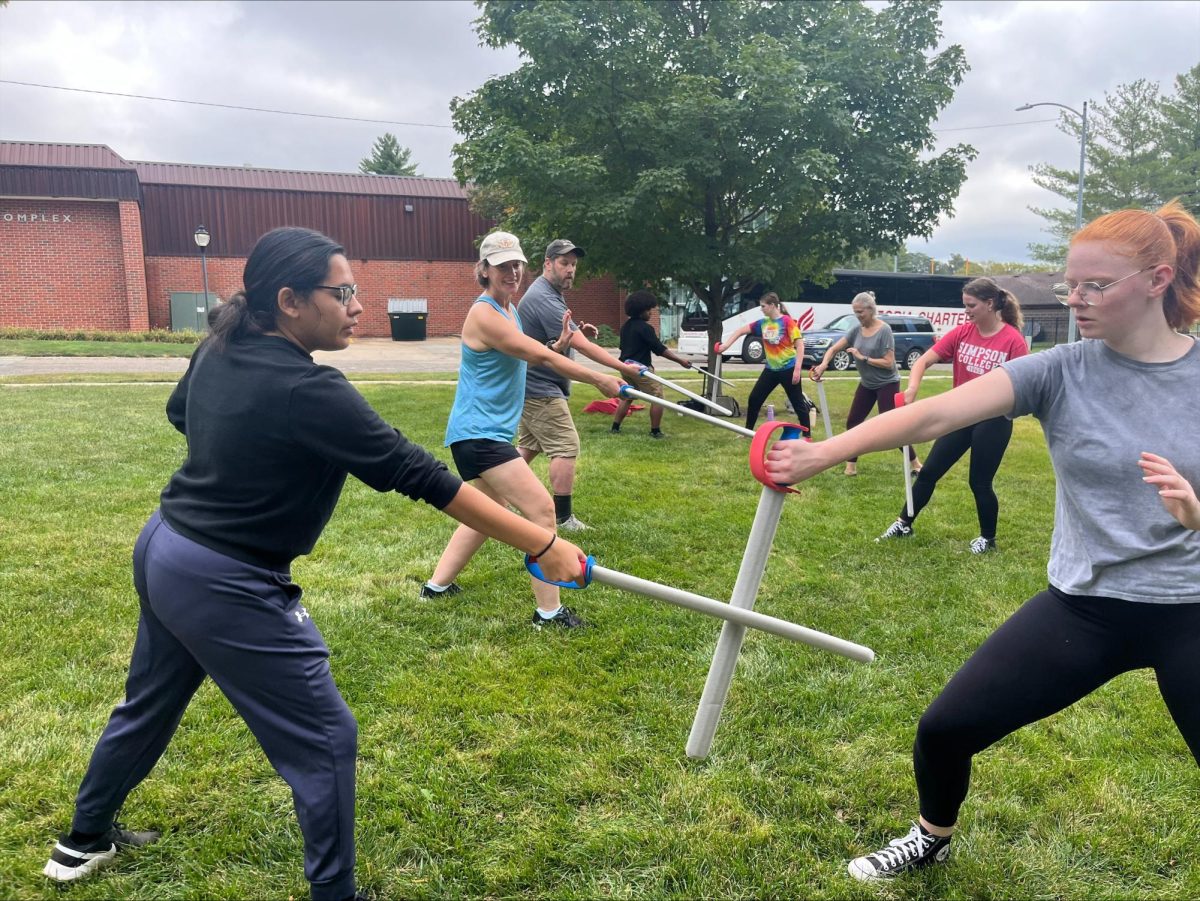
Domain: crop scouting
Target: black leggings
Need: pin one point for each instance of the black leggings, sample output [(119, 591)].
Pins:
[(987, 441), (768, 381), (1055, 650), (864, 399)]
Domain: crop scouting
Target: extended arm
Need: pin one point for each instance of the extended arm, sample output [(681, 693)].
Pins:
[(982, 398), (562, 562), (744, 330), (485, 325), (598, 354), (926, 360), (819, 370)]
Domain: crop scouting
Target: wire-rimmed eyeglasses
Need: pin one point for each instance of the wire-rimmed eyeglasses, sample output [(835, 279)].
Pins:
[(1090, 292), (343, 293)]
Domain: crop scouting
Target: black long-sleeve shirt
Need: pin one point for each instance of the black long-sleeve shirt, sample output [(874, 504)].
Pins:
[(271, 437)]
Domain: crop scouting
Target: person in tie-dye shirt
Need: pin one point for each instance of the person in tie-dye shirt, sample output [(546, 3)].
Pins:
[(781, 337)]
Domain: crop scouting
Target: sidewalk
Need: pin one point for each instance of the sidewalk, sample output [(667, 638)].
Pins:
[(364, 356)]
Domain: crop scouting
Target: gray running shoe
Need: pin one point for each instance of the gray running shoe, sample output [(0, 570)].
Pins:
[(69, 862), (571, 524)]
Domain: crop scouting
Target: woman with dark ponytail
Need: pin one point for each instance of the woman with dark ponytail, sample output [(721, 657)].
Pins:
[(271, 437), (990, 336)]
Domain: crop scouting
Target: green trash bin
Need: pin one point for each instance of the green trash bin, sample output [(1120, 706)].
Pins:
[(408, 318)]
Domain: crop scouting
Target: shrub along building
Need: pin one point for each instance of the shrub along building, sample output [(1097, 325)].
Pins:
[(91, 241)]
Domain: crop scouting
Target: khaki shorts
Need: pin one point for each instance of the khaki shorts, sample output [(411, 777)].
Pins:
[(547, 428), (647, 386)]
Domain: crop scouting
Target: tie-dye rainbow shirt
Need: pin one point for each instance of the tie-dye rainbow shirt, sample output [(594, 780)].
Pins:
[(780, 337)]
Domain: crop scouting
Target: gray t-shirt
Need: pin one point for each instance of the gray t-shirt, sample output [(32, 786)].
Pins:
[(541, 311), (1099, 411), (875, 347)]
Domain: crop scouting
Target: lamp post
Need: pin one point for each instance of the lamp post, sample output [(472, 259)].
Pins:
[(202, 238), (1079, 197)]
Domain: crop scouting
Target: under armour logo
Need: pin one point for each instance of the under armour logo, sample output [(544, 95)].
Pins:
[(301, 614)]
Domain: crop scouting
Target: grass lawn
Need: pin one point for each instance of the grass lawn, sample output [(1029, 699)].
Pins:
[(32, 347), (497, 761)]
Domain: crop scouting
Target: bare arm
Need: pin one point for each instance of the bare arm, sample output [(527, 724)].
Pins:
[(917, 373), (744, 330), (562, 562), (487, 327), (819, 370), (598, 354), (982, 398)]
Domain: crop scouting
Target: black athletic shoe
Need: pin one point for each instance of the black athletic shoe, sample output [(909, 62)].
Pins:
[(657, 433), (68, 862), (982, 545), (915, 850), (448, 592), (566, 618)]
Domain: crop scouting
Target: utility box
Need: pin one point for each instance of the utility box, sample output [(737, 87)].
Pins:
[(189, 310), (408, 318)]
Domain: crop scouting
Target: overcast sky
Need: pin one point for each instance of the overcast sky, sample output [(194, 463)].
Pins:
[(403, 62)]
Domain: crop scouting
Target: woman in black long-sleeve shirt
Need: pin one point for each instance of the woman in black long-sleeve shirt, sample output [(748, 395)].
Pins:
[(271, 438)]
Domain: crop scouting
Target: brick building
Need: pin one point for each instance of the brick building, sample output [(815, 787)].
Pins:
[(89, 240)]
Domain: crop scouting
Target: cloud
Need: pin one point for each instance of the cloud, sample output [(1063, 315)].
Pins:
[(406, 61)]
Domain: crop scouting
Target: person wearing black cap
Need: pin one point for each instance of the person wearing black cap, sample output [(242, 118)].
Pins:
[(546, 423)]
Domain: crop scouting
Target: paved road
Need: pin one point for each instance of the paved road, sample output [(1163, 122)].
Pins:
[(364, 356)]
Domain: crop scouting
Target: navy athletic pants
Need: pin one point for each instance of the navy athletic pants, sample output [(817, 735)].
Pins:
[(203, 613), (1056, 649)]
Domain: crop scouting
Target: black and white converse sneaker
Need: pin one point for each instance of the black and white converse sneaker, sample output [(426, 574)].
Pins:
[(917, 849), (428, 591), (898, 529), (982, 545), (69, 862)]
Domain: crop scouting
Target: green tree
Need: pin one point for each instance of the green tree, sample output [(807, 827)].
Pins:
[(716, 144), (1141, 152), (388, 158), (1179, 140)]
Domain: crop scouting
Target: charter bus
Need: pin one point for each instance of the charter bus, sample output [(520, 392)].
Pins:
[(936, 297)]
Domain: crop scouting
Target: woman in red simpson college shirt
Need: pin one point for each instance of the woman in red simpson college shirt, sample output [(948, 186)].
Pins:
[(990, 336)]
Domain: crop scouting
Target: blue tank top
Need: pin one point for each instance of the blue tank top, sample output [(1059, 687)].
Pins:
[(490, 393)]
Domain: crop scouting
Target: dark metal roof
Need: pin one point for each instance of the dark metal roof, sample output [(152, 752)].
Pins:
[(289, 180), (74, 156)]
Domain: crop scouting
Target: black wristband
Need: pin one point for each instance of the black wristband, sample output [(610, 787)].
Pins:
[(553, 539)]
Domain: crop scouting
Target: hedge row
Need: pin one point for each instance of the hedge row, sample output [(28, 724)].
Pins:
[(156, 336)]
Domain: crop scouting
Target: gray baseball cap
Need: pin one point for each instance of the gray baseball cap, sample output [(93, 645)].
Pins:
[(561, 247)]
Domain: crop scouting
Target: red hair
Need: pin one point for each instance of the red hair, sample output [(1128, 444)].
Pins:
[(1172, 236)]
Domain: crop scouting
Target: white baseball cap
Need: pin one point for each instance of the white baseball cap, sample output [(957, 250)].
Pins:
[(501, 247)]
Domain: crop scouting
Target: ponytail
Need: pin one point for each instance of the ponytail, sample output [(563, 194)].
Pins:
[(1002, 301)]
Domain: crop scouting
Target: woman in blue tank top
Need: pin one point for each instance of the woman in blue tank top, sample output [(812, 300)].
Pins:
[(487, 408)]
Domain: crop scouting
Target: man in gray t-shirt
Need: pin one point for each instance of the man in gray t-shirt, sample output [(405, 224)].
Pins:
[(546, 423)]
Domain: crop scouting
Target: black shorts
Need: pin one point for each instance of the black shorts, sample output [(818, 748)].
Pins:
[(475, 456)]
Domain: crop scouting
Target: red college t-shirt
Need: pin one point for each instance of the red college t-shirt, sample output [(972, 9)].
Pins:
[(974, 355)]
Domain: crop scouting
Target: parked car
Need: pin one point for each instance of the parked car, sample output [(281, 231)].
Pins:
[(914, 335)]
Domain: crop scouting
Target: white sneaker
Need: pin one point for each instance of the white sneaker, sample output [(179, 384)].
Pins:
[(571, 524)]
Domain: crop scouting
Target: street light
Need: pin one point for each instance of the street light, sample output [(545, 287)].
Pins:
[(202, 238), (1079, 197)]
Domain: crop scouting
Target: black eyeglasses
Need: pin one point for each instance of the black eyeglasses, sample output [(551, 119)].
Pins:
[(343, 293)]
